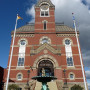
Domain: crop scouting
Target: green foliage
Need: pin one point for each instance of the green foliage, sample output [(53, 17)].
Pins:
[(76, 87), (13, 87)]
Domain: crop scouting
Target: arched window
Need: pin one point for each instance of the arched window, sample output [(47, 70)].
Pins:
[(19, 77), (21, 56), (22, 42), (44, 10), (71, 76), (45, 25), (68, 50), (45, 40), (67, 42)]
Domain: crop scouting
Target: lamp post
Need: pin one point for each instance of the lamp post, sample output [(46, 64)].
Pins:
[(65, 87), (65, 82)]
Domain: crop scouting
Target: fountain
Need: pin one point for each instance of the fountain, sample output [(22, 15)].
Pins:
[(44, 79)]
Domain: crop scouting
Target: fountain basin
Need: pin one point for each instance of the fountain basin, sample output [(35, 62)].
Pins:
[(44, 78)]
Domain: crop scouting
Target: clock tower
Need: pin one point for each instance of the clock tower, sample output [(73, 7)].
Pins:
[(44, 16)]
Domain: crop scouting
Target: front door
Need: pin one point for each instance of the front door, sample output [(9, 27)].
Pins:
[(48, 67)]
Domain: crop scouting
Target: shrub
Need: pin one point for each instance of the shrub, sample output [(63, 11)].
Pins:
[(76, 87), (13, 87)]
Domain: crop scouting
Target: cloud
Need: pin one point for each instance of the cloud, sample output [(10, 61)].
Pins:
[(86, 58), (88, 1), (31, 12), (87, 74), (63, 13), (88, 86)]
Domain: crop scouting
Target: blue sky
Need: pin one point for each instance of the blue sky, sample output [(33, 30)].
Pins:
[(63, 9), (8, 12)]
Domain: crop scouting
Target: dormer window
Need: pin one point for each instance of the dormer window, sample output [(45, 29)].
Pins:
[(44, 10)]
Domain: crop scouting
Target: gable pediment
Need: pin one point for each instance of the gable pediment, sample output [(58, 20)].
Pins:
[(45, 46)]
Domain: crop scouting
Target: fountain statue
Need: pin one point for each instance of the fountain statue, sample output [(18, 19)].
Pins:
[(44, 79)]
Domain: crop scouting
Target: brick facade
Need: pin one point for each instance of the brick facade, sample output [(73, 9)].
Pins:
[(36, 52)]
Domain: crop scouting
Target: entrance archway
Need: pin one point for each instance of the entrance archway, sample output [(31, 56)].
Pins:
[(48, 67)]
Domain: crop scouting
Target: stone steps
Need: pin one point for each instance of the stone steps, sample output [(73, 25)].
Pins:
[(52, 85)]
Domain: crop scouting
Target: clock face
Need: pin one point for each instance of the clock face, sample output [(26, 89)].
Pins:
[(44, 7)]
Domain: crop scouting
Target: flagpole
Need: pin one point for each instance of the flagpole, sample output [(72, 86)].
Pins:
[(80, 54), (11, 54)]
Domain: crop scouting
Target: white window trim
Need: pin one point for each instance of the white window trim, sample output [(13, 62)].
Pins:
[(21, 77), (68, 52), (18, 60), (73, 62), (44, 13), (73, 76)]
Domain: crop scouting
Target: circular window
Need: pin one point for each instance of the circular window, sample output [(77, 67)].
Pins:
[(67, 42), (45, 40), (22, 42)]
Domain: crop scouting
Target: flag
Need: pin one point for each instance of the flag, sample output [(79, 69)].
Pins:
[(73, 16), (73, 20), (18, 17)]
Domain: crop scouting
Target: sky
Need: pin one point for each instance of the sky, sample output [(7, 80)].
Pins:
[(63, 13)]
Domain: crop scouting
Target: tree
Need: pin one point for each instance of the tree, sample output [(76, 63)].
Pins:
[(13, 87), (76, 87)]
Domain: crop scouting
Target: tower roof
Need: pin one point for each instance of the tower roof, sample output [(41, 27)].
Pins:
[(44, 1)]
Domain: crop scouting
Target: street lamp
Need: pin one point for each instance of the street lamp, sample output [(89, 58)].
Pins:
[(28, 73), (65, 81)]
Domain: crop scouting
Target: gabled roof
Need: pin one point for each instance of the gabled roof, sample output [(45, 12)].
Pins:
[(44, 1)]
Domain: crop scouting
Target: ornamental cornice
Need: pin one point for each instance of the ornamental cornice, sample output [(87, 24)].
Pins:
[(24, 35), (66, 35), (45, 46)]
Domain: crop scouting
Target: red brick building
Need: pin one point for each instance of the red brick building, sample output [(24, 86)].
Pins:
[(49, 45)]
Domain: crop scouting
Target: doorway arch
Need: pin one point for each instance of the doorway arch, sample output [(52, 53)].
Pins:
[(48, 67)]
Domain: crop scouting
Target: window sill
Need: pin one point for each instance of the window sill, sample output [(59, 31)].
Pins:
[(20, 67), (44, 16), (71, 67)]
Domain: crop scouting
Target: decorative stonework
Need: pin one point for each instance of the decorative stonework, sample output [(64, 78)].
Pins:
[(59, 84), (66, 35), (45, 46), (45, 51), (43, 57), (24, 35)]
